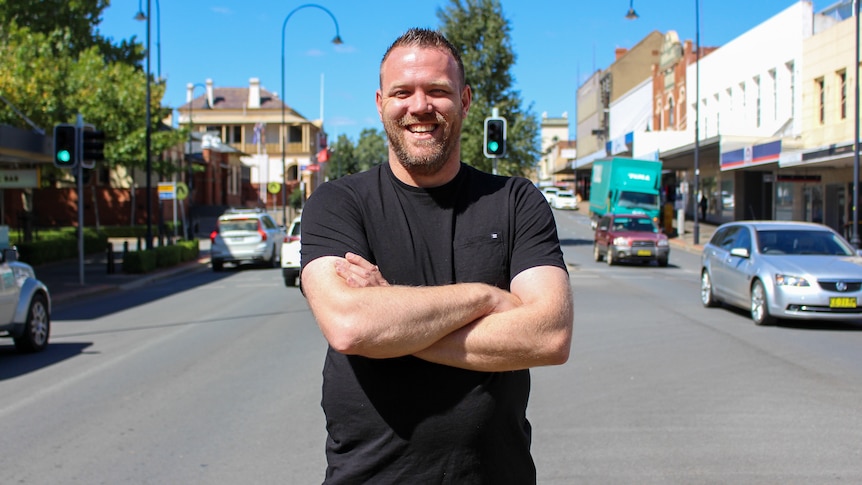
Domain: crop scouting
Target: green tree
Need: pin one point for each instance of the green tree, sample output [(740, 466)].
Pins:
[(371, 149), (72, 22), (478, 29), (342, 160)]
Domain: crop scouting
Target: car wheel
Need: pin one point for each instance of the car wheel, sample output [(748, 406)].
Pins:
[(37, 329), (759, 307), (275, 261), (609, 256), (218, 265), (662, 262), (597, 255), (707, 297)]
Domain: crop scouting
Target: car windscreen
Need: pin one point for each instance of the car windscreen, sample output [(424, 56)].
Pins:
[(637, 199), (640, 224), (801, 242), (249, 225)]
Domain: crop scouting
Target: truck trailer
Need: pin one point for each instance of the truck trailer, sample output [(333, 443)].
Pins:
[(625, 186)]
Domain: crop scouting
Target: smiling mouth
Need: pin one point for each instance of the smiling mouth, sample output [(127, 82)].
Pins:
[(421, 129)]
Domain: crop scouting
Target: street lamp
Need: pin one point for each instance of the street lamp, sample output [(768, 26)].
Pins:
[(148, 134), (190, 172), (336, 40), (855, 234), (696, 234), (631, 14)]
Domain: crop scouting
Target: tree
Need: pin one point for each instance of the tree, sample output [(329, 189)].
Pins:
[(348, 158), (478, 29)]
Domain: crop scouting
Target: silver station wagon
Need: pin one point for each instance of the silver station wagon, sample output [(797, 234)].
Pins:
[(782, 270)]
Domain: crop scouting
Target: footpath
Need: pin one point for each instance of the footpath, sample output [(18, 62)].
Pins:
[(64, 278)]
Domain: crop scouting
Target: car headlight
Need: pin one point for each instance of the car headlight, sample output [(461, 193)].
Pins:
[(621, 241), (662, 243), (790, 280), (21, 274)]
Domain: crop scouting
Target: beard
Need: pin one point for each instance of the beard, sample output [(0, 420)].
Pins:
[(425, 157)]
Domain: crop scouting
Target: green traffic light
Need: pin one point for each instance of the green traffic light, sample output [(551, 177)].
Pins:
[(493, 146), (64, 156)]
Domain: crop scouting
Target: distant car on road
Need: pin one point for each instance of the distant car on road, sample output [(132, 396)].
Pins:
[(630, 237), (246, 235), (782, 270), (565, 199), (290, 253), (25, 304), (550, 193)]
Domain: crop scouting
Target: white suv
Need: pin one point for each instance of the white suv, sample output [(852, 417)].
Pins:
[(246, 235), (290, 256)]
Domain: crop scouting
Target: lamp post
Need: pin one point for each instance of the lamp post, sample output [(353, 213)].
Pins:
[(696, 231), (190, 172), (631, 14), (336, 40), (855, 234), (148, 133)]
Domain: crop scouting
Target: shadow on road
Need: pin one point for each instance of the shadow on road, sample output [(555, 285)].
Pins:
[(14, 363)]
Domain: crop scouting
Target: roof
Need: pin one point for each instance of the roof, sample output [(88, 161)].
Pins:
[(236, 99)]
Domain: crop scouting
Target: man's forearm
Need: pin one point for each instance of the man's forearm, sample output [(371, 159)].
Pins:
[(391, 321)]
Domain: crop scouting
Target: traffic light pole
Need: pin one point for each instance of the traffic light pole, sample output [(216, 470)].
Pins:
[(79, 175)]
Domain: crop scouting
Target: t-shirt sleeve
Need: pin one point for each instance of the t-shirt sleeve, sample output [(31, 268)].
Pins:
[(536, 242), (332, 224)]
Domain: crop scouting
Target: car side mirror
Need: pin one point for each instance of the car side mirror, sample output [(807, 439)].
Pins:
[(740, 252)]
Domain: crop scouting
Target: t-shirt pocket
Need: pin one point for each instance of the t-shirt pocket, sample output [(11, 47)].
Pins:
[(481, 258)]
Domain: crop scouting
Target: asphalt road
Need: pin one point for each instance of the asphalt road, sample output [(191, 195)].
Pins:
[(214, 378)]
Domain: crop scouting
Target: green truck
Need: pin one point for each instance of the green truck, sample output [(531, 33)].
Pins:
[(625, 186)]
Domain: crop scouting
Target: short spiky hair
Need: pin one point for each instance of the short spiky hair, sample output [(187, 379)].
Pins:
[(426, 38)]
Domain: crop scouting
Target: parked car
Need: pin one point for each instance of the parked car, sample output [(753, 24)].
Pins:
[(565, 199), (290, 253), (630, 237), (550, 193), (25, 304), (778, 270), (246, 235)]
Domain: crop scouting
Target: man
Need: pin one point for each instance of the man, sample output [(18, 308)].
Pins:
[(437, 286)]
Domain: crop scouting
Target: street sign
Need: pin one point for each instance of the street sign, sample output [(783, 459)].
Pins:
[(182, 191), (167, 191), (273, 187)]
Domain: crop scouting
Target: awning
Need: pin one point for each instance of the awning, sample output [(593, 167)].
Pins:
[(585, 162), (751, 155)]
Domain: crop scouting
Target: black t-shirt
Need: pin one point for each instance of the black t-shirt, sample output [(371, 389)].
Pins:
[(406, 420)]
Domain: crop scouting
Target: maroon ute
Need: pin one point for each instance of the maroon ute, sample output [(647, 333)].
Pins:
[(630, 237)]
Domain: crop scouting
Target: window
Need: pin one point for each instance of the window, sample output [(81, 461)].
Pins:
[(214, 129), (774, 76), (759, 94), (791, 70), (294, 134), (821, 100), (842, 93), (234, 134), (671, 118)]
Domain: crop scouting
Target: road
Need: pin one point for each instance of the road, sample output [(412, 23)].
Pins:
[(214, 378)]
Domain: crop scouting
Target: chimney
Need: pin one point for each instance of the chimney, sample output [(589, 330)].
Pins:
[(619, 52), (254, 92), (210, 93)]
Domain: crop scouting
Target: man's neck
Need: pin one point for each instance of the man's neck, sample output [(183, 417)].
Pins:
[(443, 176)]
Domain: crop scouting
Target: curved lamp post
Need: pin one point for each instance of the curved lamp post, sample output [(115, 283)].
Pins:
[(336, 40), (631, 15), (148, 134)]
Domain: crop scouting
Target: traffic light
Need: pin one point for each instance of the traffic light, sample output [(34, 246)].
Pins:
[(65, 146), (495, 137), (94, 148)]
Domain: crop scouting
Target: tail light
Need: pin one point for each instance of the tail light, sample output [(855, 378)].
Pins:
[(261, 232), (213, 235)]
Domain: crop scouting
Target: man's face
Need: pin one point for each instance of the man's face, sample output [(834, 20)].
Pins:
[(422, 105)]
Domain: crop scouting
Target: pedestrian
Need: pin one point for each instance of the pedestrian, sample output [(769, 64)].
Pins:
[(437, 287), (704, 204)]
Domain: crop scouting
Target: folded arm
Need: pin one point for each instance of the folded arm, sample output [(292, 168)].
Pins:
[(363, 315), (534, 328)]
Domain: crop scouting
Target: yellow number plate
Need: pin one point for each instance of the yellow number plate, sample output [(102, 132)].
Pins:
[(842, 302), (644, 252)]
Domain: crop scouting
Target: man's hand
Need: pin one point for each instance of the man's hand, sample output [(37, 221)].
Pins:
[(357, 272)]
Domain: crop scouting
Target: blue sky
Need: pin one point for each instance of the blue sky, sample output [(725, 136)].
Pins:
[(558, 44)]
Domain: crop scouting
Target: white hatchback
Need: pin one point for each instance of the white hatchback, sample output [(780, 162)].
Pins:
[(565, 199), (290, 253)]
